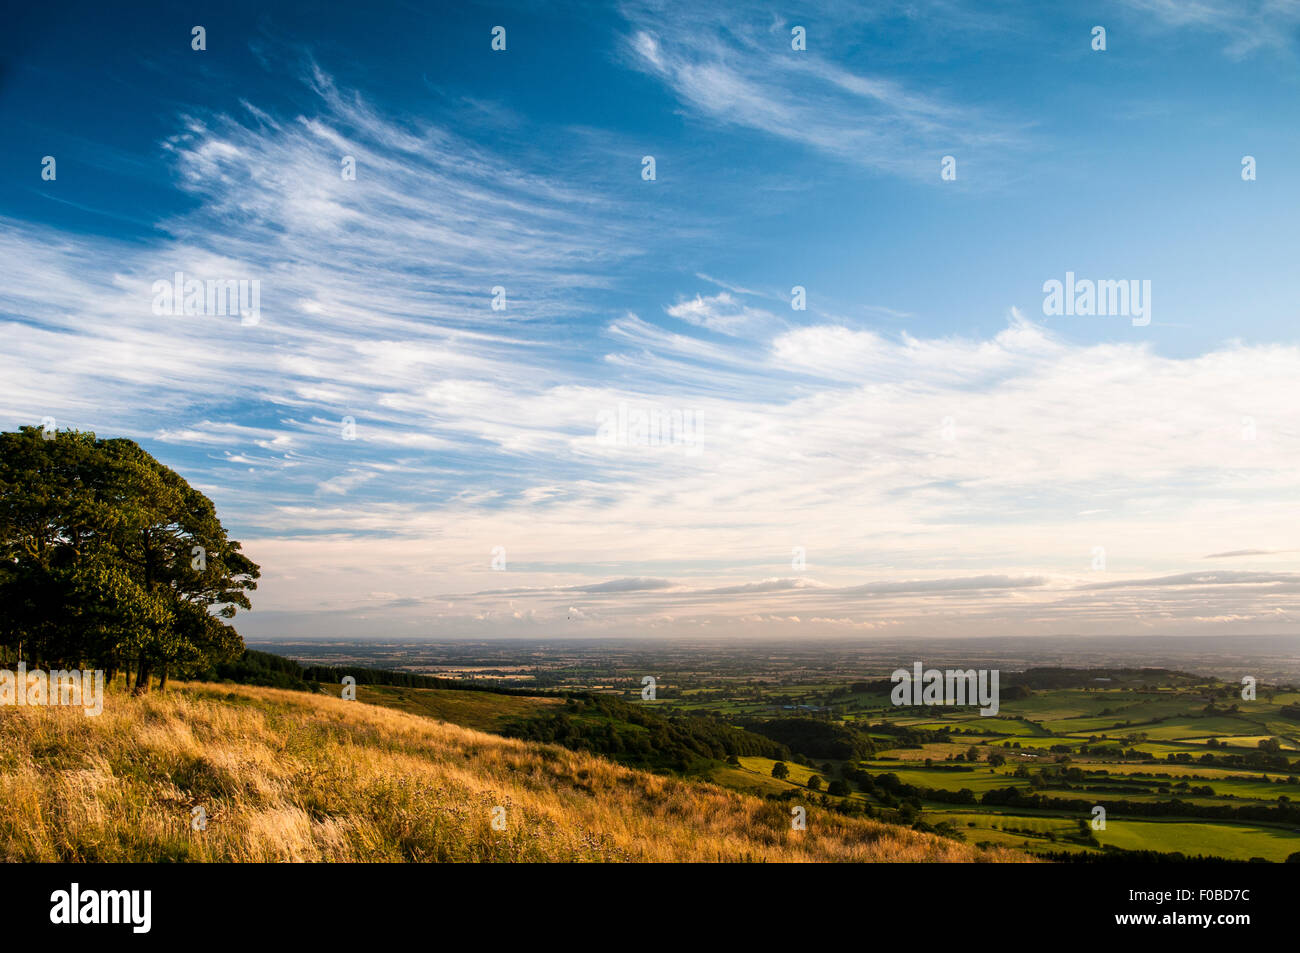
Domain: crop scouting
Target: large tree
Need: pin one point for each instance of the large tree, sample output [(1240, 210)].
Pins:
[(107, 556)]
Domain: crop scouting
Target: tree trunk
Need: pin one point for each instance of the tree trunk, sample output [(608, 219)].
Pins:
[(162, 678), (142, 678)]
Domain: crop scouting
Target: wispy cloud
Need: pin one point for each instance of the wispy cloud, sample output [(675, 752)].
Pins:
[(1247, 27), (743, 73), (724, 314), (834, 477)]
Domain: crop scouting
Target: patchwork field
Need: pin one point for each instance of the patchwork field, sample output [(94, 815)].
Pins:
[(1180, 765)]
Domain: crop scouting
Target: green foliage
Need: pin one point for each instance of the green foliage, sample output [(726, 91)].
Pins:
[(259, 668), (107, 556), (277, 671), (642, 737), (816, 739), (839, 788)]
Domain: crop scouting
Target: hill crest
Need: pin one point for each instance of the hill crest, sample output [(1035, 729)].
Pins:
[(285, 776)]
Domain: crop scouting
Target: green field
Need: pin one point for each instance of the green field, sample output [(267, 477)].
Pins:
[(1159, 742), (1167, 758), (1237, 841)]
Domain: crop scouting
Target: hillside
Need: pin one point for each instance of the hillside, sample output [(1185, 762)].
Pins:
[(287, 776)]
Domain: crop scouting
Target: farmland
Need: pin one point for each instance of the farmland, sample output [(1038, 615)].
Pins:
[(1183, 763), (1180, 766)]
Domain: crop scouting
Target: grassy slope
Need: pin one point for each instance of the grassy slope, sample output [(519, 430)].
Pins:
[(288, 776), (1237, 840), (483, 711)]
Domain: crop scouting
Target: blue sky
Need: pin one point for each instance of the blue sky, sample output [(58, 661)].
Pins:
[(922, 450)]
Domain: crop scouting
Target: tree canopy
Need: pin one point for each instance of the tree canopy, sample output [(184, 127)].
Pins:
[(110, 558)]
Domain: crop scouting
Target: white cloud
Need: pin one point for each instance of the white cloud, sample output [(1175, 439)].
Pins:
[(735, 73), (722, 313), (936, 484)]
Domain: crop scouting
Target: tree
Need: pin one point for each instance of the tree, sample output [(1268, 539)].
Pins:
[(815, 783), (972, 753), (47, 553), (106, 556), (184, 560), (780, 770)]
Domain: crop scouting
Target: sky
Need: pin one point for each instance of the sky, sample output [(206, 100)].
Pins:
[(652, 324)]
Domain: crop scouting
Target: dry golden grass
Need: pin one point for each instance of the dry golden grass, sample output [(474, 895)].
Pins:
[(285, 776)]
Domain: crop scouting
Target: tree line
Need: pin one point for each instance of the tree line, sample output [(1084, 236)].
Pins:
[(637, 736), (1281, 813), (266, 669), (110, 560)]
